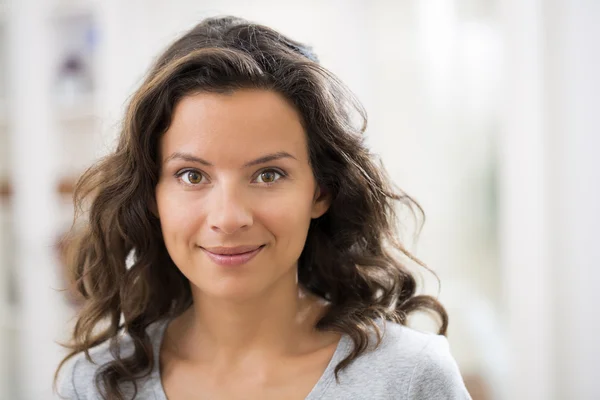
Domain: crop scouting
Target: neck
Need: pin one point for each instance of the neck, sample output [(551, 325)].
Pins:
[(279, 322)]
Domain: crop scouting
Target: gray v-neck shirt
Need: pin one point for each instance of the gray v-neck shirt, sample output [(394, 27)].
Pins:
[(408, 364)]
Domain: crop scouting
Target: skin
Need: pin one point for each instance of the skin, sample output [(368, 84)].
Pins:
[(250, 332)]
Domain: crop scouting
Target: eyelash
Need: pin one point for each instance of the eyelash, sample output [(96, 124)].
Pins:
[(179, 174)]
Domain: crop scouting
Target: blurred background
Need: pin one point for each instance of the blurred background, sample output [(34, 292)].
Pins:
[(485, 111)]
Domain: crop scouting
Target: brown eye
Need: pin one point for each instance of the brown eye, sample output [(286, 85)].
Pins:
[(269, 176), (191, 177)]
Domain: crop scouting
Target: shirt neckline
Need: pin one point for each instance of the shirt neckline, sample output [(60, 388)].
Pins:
[(316, 392)]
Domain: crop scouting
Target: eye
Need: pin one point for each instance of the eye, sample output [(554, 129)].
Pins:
[(269, 176), (190, 176)]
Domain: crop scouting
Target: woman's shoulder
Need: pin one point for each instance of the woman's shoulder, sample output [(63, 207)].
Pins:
[(405, 340), (77, 378), (407, 364), (412, 347), (405, 347)]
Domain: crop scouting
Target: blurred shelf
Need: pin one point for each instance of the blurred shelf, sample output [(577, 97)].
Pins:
[(62, 9), (80, 110), (3, 111), (64, 187), (9, 317), (5, 190)]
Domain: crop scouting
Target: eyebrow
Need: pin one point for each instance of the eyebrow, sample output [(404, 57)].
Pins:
[(261, 160)]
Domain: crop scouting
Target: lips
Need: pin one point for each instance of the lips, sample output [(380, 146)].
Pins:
[(232, 256), (229, 251)]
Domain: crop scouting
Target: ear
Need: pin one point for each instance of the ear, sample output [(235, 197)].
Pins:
[(321, 202)]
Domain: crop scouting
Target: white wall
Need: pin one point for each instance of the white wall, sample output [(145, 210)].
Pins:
[(551, 192), (573, 191), (524, 229)]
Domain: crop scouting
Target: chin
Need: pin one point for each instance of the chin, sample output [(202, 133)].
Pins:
[(243, 286), (228, 290)]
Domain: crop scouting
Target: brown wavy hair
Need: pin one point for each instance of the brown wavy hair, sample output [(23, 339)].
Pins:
[(352, 258)]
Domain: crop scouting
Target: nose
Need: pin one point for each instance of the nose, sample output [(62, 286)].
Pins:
[(229, 211)]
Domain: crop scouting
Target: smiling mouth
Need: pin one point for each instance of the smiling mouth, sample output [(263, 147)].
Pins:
[(234, 256), (232, 251)]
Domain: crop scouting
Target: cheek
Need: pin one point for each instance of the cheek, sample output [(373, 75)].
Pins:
[(176, 219), (288, 220)]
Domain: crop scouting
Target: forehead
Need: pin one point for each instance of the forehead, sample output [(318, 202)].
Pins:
[(246, 123)]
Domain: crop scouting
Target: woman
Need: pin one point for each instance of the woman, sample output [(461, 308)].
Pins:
[(265, 263)]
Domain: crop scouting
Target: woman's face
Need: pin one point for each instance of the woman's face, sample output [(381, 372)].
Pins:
[(235, 177)]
